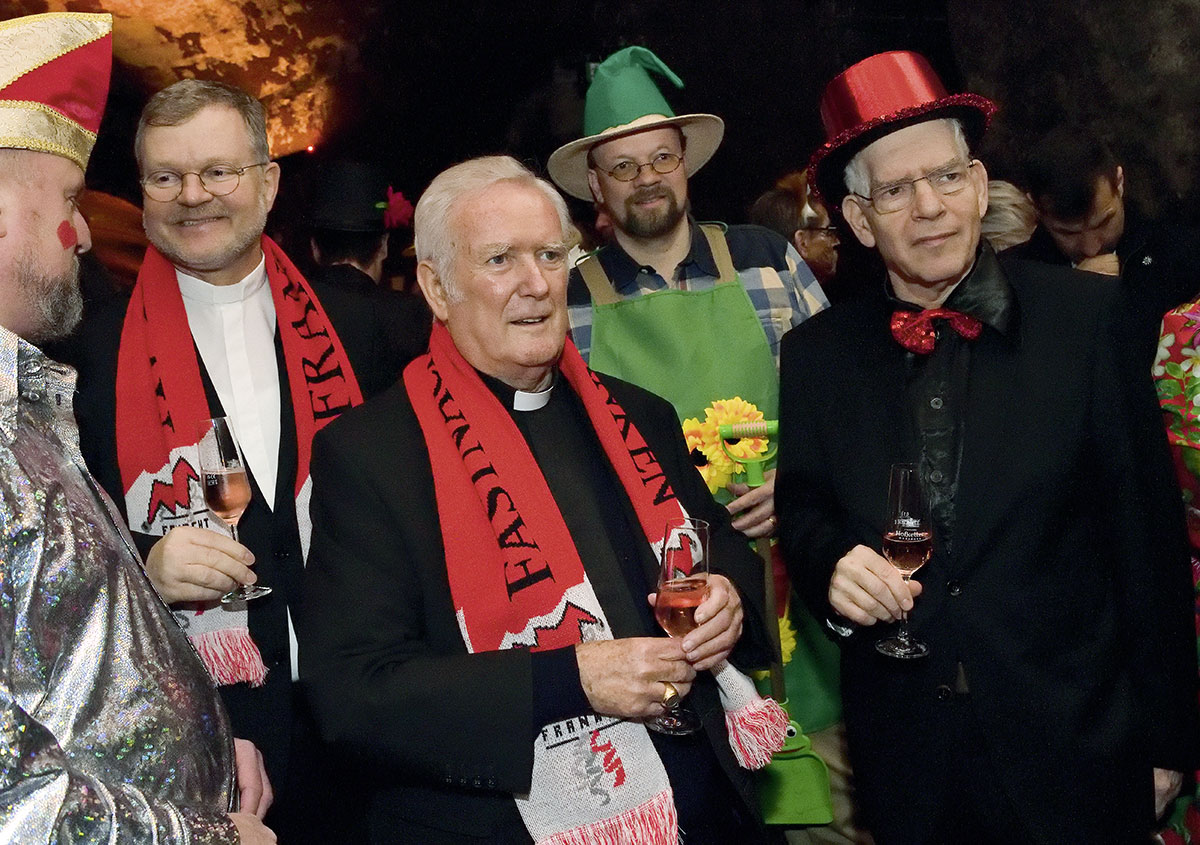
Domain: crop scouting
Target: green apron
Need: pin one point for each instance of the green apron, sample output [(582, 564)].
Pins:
[(693, 348), (690, 347)]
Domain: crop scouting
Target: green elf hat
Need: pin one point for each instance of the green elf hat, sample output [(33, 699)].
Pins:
[(623, 100)]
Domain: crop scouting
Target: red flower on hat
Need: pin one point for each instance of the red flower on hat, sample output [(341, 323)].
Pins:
[(399, 211)]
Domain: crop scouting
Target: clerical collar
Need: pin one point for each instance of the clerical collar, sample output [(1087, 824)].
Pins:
[(984, 293), (200, 290), (519, 400)]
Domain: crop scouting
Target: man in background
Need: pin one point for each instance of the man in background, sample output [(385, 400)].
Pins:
[(1078, 187), (791, 210), (722, 296), (351, 214), (730, 291)]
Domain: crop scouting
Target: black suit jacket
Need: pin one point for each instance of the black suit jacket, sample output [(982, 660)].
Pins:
[(382, 330), (266, 715), (446, 736), (263, 714), (1068, 597)]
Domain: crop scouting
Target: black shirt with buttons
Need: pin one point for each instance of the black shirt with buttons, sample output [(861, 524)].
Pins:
[(937, 388)]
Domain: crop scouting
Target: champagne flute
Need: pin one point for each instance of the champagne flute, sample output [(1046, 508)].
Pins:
[(226, 488), (682, 586), (907, 544)]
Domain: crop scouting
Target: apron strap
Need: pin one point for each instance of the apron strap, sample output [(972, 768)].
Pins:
[(597, 281), (601, 288), (720, 252)]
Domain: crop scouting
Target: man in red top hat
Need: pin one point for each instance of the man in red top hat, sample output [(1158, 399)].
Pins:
[(1052, 694)]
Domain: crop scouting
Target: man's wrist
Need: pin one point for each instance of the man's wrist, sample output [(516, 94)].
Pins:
[(557, 689)]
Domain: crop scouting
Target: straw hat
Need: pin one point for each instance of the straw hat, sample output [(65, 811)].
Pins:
[(622, 100)]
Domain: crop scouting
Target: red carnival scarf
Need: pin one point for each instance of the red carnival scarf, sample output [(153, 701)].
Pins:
[(161, 402), (517, 580)]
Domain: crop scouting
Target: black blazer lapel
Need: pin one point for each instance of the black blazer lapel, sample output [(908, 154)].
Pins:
[(875, 406)]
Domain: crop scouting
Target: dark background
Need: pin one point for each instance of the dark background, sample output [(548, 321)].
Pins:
[(430, 83), (420, 85)]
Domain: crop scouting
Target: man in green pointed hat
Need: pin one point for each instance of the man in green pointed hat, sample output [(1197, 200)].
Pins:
[(725, 294), (689, 311)]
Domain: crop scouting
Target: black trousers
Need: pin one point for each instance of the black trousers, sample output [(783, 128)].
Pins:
[(321, 800), (963, 800)]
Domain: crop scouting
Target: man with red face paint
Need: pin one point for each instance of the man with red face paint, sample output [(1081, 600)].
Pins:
[(91, 663)]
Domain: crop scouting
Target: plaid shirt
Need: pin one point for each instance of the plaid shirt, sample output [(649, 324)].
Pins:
[(782, 289)]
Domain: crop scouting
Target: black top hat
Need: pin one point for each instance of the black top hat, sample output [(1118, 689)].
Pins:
[(348, 196)]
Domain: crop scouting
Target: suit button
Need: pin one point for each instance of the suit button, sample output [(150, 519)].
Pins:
[(477, 783), (954, 588), (491, 782), (448, 780), (936, 403), (283, 554), (936, 476), (944, 693)]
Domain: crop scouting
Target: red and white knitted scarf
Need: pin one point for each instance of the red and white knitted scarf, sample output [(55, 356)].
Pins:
[(161, 403), (517, 581)]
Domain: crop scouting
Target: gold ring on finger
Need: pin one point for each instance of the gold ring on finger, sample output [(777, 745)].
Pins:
[(670, 695)]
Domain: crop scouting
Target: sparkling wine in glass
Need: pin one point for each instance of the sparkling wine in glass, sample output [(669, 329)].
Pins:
[(226, 488), (907, 544), (682, 586)]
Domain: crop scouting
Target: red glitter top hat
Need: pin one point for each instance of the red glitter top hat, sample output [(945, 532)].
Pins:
[(54, 72), (877, 96)]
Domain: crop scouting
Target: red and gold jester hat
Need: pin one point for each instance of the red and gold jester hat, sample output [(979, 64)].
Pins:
[(54, 74)]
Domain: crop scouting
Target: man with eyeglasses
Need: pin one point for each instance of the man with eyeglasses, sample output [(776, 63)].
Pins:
[(220, 323), (1057, 701), (725, 294), (693, 312), (791, 210)]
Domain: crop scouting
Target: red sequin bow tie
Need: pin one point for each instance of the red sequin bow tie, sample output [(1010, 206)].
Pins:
[(915, 332)]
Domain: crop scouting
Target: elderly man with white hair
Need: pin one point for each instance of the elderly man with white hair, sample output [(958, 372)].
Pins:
[(1048, 690), (477, 620)]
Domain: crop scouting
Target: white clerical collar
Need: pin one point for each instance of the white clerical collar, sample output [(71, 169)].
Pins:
[(201, 291), (523, 400)]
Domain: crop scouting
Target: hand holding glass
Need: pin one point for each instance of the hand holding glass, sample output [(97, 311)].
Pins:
[(226, 488), (907, 544), (682, 586)]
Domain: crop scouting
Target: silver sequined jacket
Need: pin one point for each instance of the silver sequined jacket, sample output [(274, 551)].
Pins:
[(110, 728)]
